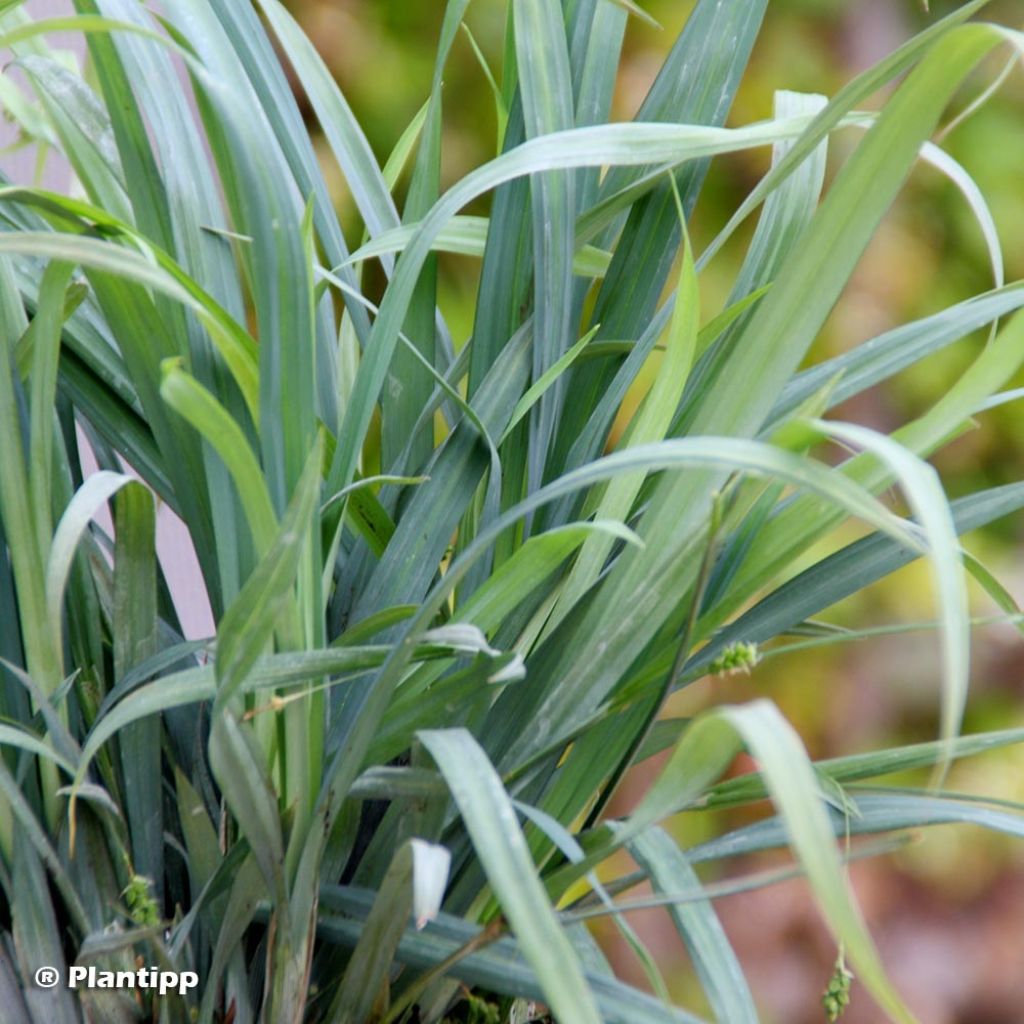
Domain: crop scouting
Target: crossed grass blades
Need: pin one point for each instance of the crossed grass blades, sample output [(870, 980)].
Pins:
[(377, 793)]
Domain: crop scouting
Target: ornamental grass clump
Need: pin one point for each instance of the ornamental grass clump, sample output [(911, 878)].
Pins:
[(379, 791)]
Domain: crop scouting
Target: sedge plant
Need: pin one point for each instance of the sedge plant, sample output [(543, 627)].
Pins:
[(450, 599)]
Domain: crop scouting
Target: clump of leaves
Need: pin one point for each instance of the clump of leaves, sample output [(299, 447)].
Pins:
[(436, 656)]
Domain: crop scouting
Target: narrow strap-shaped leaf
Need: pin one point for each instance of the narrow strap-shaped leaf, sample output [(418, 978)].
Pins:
[(779, 542), (249, 38), (198, 833), (37, 937), (876, 763), (697, 923), (342, 131), (703, 754), (267, 595), (31, 831), (176, 202), (189, 399), (239, 767), (20, 739), (650, 424), (920, 482), (82, 123), (87, 502), (46, 333), (467, 236), (571, 708), (265, 207), (135, 639), (275, 671), (10, 991), (401, 404), (414, 884), (571, 849), (192, 196), (491, 822), (591, 439), (108, 258), (783, 221), (536, 390), (410, 562), (27, 557), (695, 85), (878, 811), (545, 83), (492, 607), (884, 356), (246, 893), (850, 569), (491, 604), (497, 967), (372, 703)]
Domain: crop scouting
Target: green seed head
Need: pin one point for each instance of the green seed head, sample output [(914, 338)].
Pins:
[(837, 994), (140, 903), (738, 657)]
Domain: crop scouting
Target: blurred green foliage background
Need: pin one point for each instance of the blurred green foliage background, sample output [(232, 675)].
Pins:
[(949, 911)]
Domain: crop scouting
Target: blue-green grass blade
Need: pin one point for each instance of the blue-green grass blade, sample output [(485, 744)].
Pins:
[(572, 851), (650, 424), (135, 639), (498, 966), (46, 333), (190, 400), (467, 236), (342, 131), (786, 215), (882, 357), (266, 601), (848, 571), (490, 820), (83, 127), (924, 493), (877, 811), (256, 177), (626, 144), (401, 404), (704, 752), (863, 86), (372, 703), (545, 84), (414, 885), (242, 24), (88, 500), (778, 545), (240, 770), (697, 923), (695, 85), (871, 765)]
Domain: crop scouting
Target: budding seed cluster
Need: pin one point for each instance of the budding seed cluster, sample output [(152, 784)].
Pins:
[(837, 995), (140, 903), (738, 657)]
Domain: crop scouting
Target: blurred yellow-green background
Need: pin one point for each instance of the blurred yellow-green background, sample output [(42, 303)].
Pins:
[(948, 912)]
